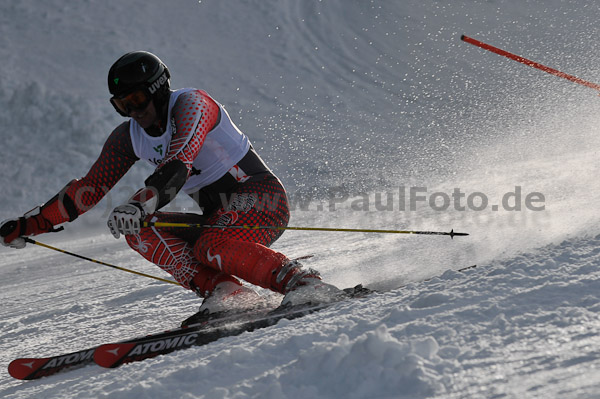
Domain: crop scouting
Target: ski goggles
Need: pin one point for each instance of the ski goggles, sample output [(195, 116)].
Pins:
[(137, 100)]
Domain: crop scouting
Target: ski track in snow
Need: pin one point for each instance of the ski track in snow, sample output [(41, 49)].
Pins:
[(363, 97)]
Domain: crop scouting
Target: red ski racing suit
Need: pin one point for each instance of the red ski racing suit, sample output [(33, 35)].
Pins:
[(204, 154)]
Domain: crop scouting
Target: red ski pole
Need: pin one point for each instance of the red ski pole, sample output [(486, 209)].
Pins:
[(530, 63)]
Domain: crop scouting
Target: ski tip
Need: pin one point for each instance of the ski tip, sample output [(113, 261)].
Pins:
[(462, 37), (25, 368)]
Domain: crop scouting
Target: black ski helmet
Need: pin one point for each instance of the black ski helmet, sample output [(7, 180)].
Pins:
[(140, 70)]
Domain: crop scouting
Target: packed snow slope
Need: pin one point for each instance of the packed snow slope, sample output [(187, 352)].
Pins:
[(355, 105)]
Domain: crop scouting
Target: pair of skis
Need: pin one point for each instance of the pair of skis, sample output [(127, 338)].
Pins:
[(115, 354)]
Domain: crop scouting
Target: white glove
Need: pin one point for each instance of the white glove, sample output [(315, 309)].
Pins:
[(8, 230), (126, 219)]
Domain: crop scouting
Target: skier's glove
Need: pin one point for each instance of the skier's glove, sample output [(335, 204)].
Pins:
[(13, 231), (126, 219)]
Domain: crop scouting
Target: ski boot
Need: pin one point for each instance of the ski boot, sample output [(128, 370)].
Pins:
[(305, 287), (228, 298)]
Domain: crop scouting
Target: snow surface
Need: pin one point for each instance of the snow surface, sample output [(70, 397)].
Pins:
[(339, 96)]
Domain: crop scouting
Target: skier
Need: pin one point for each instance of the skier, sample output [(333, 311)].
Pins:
[(195, 147)]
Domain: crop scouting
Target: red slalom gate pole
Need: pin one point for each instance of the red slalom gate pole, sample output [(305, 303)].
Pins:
[(530, 63)]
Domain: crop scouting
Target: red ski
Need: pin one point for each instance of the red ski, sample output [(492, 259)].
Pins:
[(32, 368), (114, 355)]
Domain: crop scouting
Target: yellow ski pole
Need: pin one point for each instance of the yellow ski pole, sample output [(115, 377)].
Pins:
[(29, 240), (451, 233)]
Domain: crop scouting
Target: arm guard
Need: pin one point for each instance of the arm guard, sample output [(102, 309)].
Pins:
[(162, 186), (61, 208)]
